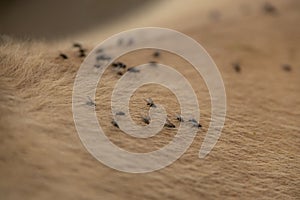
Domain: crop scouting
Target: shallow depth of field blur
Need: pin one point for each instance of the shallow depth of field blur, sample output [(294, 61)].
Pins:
[(256, 46)]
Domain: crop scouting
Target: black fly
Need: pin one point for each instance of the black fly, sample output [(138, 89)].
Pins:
[(64, 56), (90, 102), (150, 102), (114, 123), (169, 124), (195, 123), (236, 66)]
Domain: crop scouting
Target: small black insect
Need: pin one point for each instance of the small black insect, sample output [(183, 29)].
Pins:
[(120, 113), (115, 64), (122, 65), (77, 45), (64, 56), (269, 8), (133, 69), (150, 102), (113, 122), (120, 73), (156, 54), (195, 123), (99, 50), (286, 67), (236, 66), (97, 66), (179, 118), (82, 53), (103, 57), (90, 102), (146, 119), (169, 124), (130, 42), (119, 64), (153, 63)]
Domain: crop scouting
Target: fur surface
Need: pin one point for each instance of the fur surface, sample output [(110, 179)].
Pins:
[(256, 157)]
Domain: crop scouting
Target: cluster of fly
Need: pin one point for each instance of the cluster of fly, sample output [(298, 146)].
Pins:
[(101, 58), (81, 50), (168, 123), (121, 68), (122, 42), (237, 67)]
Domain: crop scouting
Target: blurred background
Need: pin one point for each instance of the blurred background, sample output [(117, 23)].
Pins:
[(49, 19), (56, 20)]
